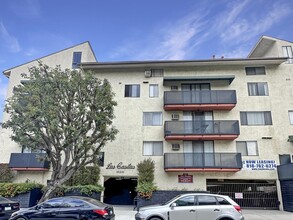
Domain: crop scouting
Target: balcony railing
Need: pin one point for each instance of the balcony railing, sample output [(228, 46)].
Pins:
[(202, 130), (200, 100), (226, 162), (28, 161)]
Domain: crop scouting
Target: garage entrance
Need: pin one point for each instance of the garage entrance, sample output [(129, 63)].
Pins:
[(258, 194), (120, 191)]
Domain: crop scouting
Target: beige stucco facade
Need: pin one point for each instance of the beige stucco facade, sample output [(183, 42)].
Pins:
[(127, 149)]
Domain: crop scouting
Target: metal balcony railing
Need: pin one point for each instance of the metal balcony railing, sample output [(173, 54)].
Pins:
[(28, 161), (204, 127), (202, 160), (200, 97)]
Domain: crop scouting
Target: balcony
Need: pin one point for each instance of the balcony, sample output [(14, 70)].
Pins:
[(202, 162), (207, 100), (29, 161), (201, 130)]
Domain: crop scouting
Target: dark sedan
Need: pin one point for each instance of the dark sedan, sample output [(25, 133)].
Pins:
[(7, 207), (68, 207)]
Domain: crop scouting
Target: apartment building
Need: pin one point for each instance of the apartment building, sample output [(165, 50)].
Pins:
[(220, 124)]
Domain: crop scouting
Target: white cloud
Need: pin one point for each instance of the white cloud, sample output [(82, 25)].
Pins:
[(10, 42)]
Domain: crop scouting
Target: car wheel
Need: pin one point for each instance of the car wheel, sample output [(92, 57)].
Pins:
[(21, 218), (155, 218)]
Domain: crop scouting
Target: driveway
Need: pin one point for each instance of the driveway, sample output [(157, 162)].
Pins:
[(127, 213)]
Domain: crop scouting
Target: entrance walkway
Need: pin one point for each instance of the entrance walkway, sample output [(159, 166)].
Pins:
[(127, 213)]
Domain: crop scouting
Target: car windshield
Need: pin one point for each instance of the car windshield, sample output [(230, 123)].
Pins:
[(165, 203), (2, 199)]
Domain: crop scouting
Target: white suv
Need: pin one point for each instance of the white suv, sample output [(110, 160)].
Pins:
[(193, 206)]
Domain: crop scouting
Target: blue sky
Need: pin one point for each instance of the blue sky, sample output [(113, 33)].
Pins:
[(120, 30)]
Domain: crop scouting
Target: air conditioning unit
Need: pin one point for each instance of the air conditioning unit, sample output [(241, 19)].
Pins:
[(147, 73), (175, 116), (175, 147)]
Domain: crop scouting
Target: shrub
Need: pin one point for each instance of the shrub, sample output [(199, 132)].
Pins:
[(13, 189), (85, 176), (6, 174), (146, 186), (85, 189)]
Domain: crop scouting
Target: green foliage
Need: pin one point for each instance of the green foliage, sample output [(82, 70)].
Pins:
[(85, 176), (6, 174), (146, 186), (85, 189), (146, 189), (146, 170), (13, 189), (66, 113)]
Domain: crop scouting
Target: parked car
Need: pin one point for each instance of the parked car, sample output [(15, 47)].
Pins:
[(193, 206), (7, 207), (68, 207)]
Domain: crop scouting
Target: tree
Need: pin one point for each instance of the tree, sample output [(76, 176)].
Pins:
[(65, 113)]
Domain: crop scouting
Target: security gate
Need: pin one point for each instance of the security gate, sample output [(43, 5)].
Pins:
[(248, 194)]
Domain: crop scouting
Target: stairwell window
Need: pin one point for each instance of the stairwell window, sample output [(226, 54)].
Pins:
[(287, 52), (76, 60), (154, 90), (291, 117), (132, 90), (256, 118), (152, 118), (258, 89), (152, 148), (255, 70), (247, 148)]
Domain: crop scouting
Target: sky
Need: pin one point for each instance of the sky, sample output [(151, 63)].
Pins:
[(136, 30)]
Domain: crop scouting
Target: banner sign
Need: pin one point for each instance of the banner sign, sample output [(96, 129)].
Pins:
[(259, 164)]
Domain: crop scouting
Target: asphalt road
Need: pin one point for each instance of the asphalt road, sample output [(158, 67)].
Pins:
[(127, 213)]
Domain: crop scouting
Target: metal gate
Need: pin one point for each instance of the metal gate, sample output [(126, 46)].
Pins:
[(256, 194)]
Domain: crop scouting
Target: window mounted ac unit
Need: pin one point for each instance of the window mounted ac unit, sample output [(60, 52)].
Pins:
[(175, 116), (175, 147), (147, 73)]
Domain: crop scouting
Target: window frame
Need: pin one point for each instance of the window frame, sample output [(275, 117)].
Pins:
[(128, 88), (259, 87), (255, 70), (76, 59), (290, 113), (286, 52), (267, 117), (154, 90), (152, 114), (153, 145), (246, 148)]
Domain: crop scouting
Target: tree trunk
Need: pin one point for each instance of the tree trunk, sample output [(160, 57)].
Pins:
[(49, 192)]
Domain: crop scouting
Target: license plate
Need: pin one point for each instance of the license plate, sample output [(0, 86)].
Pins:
[(7, 208)]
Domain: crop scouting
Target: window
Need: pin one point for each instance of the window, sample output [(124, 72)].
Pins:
[(255, 70), (154, 90), (206, 200), (185, 201), (287, 51), (152, 118), (153, 148), (30, 150), (174, 88), (76, 59), (258, 89), (256, 118), (247, 148), (157, 72), (132, 90), (291, 117), (222, 201)]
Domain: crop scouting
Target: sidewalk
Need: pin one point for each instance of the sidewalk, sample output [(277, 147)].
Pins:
[(127, 213)]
